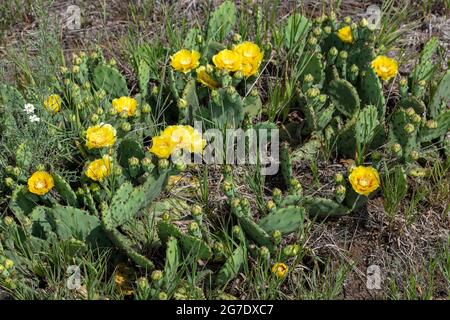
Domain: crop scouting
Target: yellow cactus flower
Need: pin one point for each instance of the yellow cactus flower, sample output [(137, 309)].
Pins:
[(279, 269), (364, 180), (40, 183), (345, 34), (197, 143), (227, 60), (100, 136), (180, 136), (251, 56), (127, 104), (385, 67), (162, 146), (204, 78), (53, 103), (122, 280), (99, 169), (185, 60)]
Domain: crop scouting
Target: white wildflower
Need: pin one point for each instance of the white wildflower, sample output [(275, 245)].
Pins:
[(29, 108), (34, 118)]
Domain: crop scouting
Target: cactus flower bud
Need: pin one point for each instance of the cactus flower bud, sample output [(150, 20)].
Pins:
[(409, 128), (317, 31), (363, 23), (327, 30), (348, 20), (142, 283), (9, 182), (75, 69), (340, 190), (146, 108), (323, 98), (155, 91), (376, 156), (313, 93), (410, 112), (180, 166), (291, 250), (396, 148), (157, 275), (343, 55), (16, 171), (193, 227), (403, 82), (416, 118), (166, 216), (8, 264), (8, 220), (309, 78), (100, 94), (77, 61), (133, 162), (270, 205), (162, 296), (227, 186), (147, 163), (163, 163), (182, 103), (414, 155), (113, 112), (125, 126), (338, 178), (333, 52), (264, 252), (312, 41), (237, 37), (112, 62), (94, 118), (431, 124), (64, 70), (276, 235), (231, 90), (354, 68), (236, 231), (353, 26), (196, 210), (235, 203)]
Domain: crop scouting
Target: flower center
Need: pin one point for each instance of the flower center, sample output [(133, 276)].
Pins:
[(186, 60), (40, 184), (364, 182)]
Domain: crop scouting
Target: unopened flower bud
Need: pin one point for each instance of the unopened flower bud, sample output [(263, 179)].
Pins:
[(270, 205), (276, 235), (193, 227), (9, 182), (133, 162), (431, 124), (236, 231), (163, 163), (409, 128), (199, 39), (142, 283), (317, 31), (64, 70), (237, 37), (166, 216), (180, 166), (182, 103), (75, 69), (125, 126), (396, 148), (343, 55), (353, 26), (162, 296), (313, 93), (94, 118), (333, 52), (146, 108), (340, 190), (327, 30), (338, 178), (403, 82), (157, 275), (8, 264), (196, 210), (8, 220), (235, 203), (264, 252), (363, 23), (112, 62), (348, 20), (155, 91), (414, 155), (312, 41)]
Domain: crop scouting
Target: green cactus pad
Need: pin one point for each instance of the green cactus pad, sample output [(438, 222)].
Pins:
[(167, 230), (371, 92), (110, 80), (65, 190), (344, 96), (255, 232), (441, 97), (322, 207), (194, 246), (412, 102), (222, 21), (231, 267), (443, 125), (286, 220), (424, 70)]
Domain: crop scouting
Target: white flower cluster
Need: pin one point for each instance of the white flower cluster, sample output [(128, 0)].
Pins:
[(29, 110)]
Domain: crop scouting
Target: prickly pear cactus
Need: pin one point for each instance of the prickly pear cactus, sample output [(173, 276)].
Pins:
[(110, 80)]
